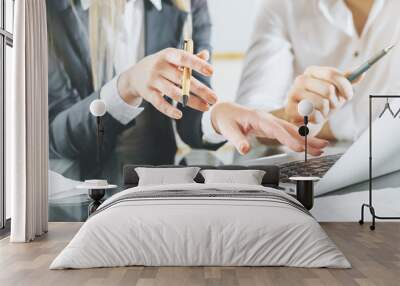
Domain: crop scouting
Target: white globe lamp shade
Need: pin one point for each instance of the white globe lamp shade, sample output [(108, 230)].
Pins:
[(98, 108), (305, 107)]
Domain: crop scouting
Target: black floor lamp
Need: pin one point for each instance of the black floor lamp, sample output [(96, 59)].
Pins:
[(98, 109), (97, 188), (370, 201)]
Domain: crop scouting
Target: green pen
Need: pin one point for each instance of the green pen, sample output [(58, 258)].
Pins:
[(366, 66)]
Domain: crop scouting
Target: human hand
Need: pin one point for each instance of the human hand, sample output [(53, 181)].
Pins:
[(326, 87), (235, 122), (160, 75)]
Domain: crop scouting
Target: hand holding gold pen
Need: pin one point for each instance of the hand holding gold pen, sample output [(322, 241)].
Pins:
[(186, 6), (187, 74)]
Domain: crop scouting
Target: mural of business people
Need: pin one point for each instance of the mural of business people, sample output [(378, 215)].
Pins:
[(128, 53)]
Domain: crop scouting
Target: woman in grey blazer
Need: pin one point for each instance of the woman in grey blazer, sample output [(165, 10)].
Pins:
[(147, 139)]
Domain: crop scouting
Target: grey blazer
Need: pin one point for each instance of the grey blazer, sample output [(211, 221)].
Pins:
[(150, 138)]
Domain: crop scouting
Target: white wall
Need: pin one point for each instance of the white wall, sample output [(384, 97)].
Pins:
[(232, 23)]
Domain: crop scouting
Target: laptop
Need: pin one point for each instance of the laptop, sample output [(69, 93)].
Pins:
[(343, 165)]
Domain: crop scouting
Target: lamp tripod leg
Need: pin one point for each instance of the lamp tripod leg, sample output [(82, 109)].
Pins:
[(372, 210), (361, 221)]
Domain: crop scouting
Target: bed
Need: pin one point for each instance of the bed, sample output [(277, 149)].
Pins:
[(198, 224)]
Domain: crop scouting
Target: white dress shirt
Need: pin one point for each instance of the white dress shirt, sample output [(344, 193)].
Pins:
[(128, 45), (292, 35)]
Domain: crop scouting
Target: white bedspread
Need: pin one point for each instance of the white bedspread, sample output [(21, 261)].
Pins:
[(183, 231)]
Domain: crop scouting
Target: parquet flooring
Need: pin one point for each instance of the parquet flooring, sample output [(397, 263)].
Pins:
[(375, 257)]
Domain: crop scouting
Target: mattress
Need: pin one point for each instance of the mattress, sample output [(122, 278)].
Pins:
[(201, 225)]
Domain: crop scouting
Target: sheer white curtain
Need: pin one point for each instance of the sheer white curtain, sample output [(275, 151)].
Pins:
[(27, 124)]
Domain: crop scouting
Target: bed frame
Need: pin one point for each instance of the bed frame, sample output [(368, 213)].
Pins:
[(270, 179)]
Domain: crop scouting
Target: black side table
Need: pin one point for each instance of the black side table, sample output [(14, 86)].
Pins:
[(305, 190), (96, 193)]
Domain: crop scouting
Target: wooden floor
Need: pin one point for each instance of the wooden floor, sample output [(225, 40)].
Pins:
[(375, 257)]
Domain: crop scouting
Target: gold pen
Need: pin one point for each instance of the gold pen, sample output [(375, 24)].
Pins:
[(187, 74)]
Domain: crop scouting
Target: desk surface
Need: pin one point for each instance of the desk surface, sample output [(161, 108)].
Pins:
[(255, 157), (340, 205)]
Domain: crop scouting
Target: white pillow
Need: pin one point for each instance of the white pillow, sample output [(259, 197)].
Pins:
[(166, 176), (247, 177)]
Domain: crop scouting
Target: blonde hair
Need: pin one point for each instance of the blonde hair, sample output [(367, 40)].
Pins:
[(184, 5), (104, 14)]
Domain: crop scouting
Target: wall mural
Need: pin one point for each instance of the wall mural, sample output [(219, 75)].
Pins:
[(100, 121)]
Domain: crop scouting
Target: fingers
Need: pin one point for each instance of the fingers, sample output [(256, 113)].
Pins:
[(320, 87), (204, 55), (197, 103), (357, 80), (182, 58), (173, 74), (275, 130), (287, 134), (325, 87), (157, 100), (233, 133), (334, 77), (165, 87), (315, 145), (318, 143), (203, 91), (296, 118), (234, 122), (320, 103)]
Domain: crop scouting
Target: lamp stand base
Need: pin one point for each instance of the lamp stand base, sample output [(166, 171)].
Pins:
[(96, 195)]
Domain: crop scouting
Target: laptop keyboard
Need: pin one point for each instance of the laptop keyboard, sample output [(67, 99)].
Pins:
[(316, 167)]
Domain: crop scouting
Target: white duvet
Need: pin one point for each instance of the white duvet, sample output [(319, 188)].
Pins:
[(188, 231)]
